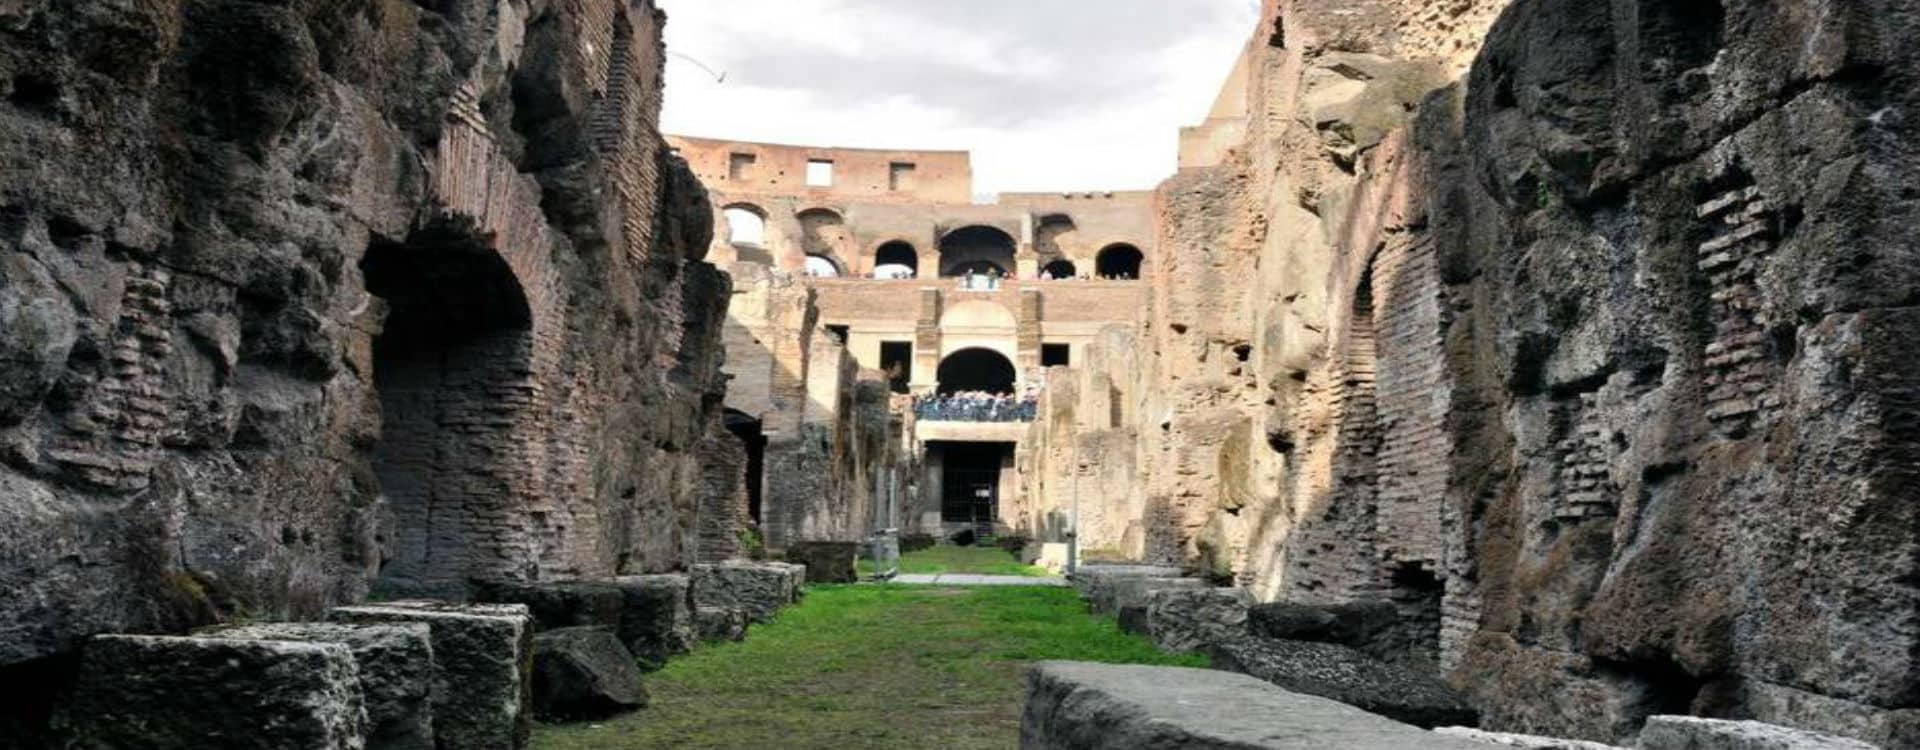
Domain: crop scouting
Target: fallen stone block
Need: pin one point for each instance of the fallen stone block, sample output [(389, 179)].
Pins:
[(796, 579), (826, 562), (720, 624), (1113, 595), (1692, 733), (1346, 675), (759, 589), (584, 673), (482, 655), (558, 604), (1092, 575), (1370, 626), (656, 618), (147, 692), (1078, 706), (1181, 620), (1522, 741), (395, 667)]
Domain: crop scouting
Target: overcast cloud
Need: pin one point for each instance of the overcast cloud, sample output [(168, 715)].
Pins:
[(1047, 94)]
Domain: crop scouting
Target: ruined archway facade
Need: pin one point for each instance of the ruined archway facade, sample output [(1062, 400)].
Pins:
[(454, 347), (977, 250)]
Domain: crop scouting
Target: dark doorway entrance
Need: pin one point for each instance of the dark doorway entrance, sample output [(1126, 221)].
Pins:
[(457, 335), (748, 429), (970, 483), (896, 358)]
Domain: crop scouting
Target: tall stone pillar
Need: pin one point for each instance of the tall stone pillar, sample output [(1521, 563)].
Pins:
[(926, 342), (1027, 335)]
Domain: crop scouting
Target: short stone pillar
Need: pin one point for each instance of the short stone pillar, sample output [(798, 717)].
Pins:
[(483, 664), (138, 692)]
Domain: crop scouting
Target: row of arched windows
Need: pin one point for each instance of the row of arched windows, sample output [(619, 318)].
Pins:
[(966, 251)]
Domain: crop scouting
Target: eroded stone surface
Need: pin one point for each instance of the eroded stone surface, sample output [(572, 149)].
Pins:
[(1180, 620), (760, 590), (161, 692), (584, 673), (482, 665), (1077, 706), (827, 562), (1691, 733), (394, 665), (1348, 676), (656, 617)]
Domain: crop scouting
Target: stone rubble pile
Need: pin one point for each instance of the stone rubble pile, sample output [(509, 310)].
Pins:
[(416, 675)]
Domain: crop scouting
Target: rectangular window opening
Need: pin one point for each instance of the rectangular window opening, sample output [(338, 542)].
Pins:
[(900, 176), (896, 358), (740, 166), (1056, 355), (819, 173), (839, 334)]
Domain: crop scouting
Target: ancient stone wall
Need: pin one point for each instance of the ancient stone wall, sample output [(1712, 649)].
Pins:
[(835, 439), (1583, 359), (299, 297)]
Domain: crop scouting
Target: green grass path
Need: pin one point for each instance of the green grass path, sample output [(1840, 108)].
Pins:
[(947, 558), (867, 666)]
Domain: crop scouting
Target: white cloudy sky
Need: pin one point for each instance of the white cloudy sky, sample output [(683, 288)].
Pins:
[(1047, 94)]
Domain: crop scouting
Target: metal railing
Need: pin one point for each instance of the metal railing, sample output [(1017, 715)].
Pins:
[(964, 408)]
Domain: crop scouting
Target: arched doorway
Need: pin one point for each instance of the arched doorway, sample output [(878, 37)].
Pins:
[(1060, 269), (746, 224), (896, 260), (457, 335), (976, 249), (983, 370), (1120, 261), (821, 267), (824, 233)]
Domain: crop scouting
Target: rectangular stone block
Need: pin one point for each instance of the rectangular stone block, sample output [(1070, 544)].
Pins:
[(720, 624), (656, 617), (1691, 733), (395, 665), (1181, 620), (558, 604), (1079, 706), (826, 562), (759, 589), (148, 692), (483, 666)]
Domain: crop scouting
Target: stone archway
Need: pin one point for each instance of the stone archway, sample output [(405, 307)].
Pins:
[(976, 249), (977, 369), (452, 366)]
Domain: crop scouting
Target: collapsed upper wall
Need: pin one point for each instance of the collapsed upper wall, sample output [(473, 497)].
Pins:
[(299, 296)]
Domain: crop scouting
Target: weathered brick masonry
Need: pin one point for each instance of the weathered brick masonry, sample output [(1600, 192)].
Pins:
[(301, 299)]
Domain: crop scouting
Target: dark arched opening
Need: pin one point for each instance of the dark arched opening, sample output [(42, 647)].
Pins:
[(976, 249), (456, 338), (751, 434), (1120, 262), (1060, 269), (896, 260), (983, 370)]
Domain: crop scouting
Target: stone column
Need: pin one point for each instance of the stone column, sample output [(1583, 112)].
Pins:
[(926, 342)]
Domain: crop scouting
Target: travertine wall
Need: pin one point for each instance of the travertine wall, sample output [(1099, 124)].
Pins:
[(298, 297), (1585, 358), (835, 439)]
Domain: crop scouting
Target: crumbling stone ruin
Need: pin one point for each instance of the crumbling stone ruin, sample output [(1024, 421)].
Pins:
[(1540, 364), (1579, 338), (305, 301)]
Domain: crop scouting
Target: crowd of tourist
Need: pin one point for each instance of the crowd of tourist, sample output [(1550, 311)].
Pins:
[(977, 406)]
